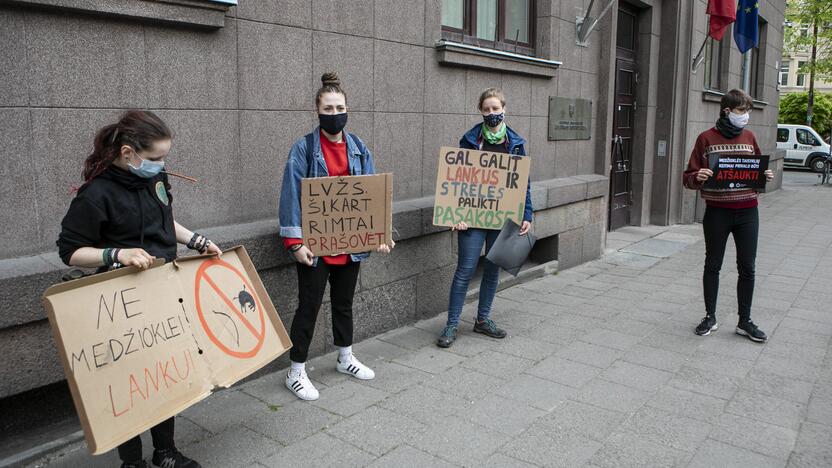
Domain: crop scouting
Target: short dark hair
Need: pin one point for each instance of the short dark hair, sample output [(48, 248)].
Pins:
[(736, 98)]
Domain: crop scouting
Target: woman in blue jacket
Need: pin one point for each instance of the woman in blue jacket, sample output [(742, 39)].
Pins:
[(495, 136), (328, 151)]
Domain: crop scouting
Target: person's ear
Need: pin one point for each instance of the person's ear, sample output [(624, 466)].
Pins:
[(125, 151)]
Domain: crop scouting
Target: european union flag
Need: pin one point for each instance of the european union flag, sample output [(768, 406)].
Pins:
[(746, 29)]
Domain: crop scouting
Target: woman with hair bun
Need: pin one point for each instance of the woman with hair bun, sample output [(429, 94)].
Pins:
[(122, 216), (328, 151)]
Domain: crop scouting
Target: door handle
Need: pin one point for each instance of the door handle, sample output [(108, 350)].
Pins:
[(795, 146)]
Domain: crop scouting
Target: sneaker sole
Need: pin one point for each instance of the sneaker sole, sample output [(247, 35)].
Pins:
[(713, 328), (301, 397), (354, 375), (443, 345), (744, 333), (483, 332)]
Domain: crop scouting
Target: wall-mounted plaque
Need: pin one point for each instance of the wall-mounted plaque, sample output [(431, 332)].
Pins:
[(570, 119)]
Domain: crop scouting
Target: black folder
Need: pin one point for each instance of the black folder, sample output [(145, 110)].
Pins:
[(511, 249)]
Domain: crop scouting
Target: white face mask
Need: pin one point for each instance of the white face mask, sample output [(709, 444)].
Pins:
[(739, 120)]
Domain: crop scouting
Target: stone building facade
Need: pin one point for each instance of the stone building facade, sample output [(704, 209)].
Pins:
[(236, 84)]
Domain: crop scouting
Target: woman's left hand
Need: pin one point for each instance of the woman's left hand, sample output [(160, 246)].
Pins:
[(769, 175), (525, 228), (214, 249), (385, 248)]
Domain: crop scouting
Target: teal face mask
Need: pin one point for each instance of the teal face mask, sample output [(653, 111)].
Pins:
[(147, 169)]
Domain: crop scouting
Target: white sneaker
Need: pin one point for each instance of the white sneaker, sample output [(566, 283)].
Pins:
[(354, 368), (301, 386)]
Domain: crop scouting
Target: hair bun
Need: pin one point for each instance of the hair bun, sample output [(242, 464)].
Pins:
[(330, 79)]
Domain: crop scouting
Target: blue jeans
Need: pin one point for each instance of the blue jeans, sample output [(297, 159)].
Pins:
[(470, 246)]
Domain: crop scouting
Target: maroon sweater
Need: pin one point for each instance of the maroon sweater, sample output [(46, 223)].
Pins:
[(711, 143)]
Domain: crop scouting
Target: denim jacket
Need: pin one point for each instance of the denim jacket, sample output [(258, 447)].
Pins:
[(301, 165), (516, 145)]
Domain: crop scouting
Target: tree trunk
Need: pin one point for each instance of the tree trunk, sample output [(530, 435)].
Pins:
[(811, 98)]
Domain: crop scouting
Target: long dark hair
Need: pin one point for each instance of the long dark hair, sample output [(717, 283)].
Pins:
[(136, 128)]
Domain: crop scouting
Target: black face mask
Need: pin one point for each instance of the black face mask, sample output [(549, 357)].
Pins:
[(333, 124)]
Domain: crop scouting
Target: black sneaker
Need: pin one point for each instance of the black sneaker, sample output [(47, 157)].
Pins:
[(488, 327), (172, 458), (750, 330), (706, 326), (447, 338), (138, 464)]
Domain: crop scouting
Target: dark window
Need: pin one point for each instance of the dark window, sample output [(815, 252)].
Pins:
[(801, 77), (626, 37), (506, 25), (714, 59), (782, 135), (758, 63), (806, 138)]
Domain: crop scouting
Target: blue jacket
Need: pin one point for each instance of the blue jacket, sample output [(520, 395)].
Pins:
[(516, 145), (305, 164)]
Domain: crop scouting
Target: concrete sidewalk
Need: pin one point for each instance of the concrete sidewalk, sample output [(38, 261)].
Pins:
[(601, 368)]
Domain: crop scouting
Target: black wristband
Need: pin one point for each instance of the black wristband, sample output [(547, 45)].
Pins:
[(192, 242)]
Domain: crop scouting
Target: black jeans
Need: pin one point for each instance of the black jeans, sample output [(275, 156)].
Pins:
[(744, 224), (311, 286), (162, 434)]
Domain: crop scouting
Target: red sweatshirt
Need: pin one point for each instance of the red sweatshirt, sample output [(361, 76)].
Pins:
[(712, 143), (337, 164)]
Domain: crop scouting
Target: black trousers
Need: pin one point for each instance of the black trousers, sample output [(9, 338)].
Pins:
[(744, 225), (311, 286), (162, 434)]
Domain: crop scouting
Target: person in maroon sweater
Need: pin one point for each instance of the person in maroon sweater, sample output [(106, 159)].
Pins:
[(727, 211), (329, 151)]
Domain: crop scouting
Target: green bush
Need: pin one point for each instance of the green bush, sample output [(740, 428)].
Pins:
[(793, 110)]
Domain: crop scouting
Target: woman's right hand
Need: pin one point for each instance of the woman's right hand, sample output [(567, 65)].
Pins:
[(704, 174), (304, 256), (136, 257), (461, 226)]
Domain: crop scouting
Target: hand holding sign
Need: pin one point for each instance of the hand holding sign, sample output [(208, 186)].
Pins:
[(703, 174), (737, 172)]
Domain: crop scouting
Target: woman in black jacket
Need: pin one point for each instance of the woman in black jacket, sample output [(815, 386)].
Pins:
[(122, 216)]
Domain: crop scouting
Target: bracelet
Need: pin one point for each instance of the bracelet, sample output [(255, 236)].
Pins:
[(192, 242), (295, 248), (204, 247), (105, 257)]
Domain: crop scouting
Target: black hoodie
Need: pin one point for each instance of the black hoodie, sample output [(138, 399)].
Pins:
[(120, 209)]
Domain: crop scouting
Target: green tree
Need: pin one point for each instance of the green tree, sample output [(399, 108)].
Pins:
[(793, 110), (810, 27)]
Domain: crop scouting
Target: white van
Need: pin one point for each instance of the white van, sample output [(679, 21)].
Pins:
[(804, 147)]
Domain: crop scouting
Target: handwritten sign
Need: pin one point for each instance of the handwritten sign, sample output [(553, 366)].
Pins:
[(347, 214), (480, 188), (737, 172), (140, 347)]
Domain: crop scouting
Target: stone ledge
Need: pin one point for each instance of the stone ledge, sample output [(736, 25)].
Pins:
[(469, 56), (194, 13), (23, 279)]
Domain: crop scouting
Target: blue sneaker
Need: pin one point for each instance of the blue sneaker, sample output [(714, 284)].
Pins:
[(489, 328), (447, 338)]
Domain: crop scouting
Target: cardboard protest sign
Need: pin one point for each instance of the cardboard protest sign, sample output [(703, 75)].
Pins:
[(348, 214), (482, 189), (737, 172), (140, 347)]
